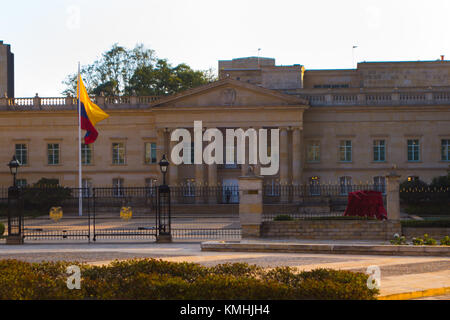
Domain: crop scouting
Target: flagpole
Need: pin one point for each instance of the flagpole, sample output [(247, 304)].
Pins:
[(80, 181)]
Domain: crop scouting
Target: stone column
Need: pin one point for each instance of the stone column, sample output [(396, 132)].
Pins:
[(393, 196), (284, 165), (296, 156), (160, 150), (284, 157), (199, 183), (173, 169), (244, 166), (250, 205), (212, 183)]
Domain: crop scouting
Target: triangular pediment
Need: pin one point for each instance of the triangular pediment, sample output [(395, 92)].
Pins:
[(229, 92)]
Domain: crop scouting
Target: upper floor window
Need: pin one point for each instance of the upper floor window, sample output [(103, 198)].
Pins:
[(379, 150), (53, 153), (445, 150), (22, 153), (86, 154), (150, 153), (345, 151), (413, 150), (118, 153), (313, 151)]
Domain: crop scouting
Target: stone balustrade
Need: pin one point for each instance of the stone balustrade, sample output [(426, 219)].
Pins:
[(316, 97)]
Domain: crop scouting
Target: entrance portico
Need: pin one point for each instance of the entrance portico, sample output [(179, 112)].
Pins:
[(230, 104)]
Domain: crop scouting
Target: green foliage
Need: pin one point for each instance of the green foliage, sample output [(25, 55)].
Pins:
[(428, 209), (283, 217), (122, 71), (157, 279), (444, 223), (426, 240), (445, 241), (43, 195), (398, 240), (2, 229)]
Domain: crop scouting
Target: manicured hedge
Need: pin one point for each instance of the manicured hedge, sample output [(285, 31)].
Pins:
[(158, 279), (444, 223)]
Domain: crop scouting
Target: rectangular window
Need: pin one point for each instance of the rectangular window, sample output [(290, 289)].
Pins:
[(150, 185), (86, 154), (53, 153), (379, 150), (118, 187), (345, 150), (313, 152), (150, 152), (380, 184), (86, 184), (118, 153), (445, 150), (413, 150), (22, 153), (189, 188), (314, 186), (345, 185), (21, 182)]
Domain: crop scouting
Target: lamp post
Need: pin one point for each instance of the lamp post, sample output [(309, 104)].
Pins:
[(163, 166), (163, 216), (15, 214), (14, 165)]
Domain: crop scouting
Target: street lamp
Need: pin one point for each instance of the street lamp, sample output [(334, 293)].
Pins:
[(163, 166), (163, 216), (14, 165), (15, 208)]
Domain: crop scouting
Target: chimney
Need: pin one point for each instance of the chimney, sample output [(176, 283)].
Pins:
[(442, 57)]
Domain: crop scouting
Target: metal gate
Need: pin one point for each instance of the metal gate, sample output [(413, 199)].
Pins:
[(52, 213)]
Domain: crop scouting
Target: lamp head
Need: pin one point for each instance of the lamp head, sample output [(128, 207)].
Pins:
[(163, 164), (14, 165)]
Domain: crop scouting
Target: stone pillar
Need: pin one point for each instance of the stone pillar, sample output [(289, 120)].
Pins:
[(284, 156), (296, 156), (393, 196), (37, 101), (284, 165), (212, 183), (160, 150), (250, 205), (244, 166), (173, 169), (199, 183)]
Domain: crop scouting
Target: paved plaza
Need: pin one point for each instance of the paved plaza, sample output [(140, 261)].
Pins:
[(399, 274)]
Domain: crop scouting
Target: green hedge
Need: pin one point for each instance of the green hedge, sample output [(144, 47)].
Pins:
[(426, 223), (158, 279)]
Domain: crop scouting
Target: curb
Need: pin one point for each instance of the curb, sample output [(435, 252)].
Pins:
[(394, 250), (416, 294)]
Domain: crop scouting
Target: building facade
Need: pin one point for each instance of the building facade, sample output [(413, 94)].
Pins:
[(6, 71), (336, 126)]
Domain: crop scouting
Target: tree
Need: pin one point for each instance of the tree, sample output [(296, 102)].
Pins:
[(137, 71)]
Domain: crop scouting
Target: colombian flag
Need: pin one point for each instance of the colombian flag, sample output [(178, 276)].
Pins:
[(90, 114)]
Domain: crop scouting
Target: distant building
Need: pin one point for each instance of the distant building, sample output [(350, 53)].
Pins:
[(339, 126), (6, 71)]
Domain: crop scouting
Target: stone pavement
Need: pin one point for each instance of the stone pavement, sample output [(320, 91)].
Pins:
[(399, 274)]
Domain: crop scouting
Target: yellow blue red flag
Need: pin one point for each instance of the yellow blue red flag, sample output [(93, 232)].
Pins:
[(90, 113)]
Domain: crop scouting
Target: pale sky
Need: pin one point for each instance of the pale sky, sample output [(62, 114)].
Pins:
[(49, 37)]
